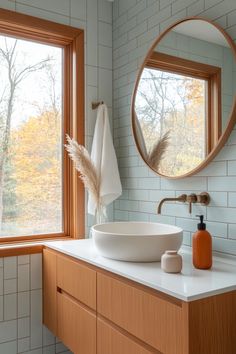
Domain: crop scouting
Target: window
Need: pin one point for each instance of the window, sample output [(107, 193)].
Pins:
[(203, 82), (41, 100)]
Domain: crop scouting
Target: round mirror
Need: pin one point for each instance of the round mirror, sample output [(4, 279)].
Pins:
[(183, 106)]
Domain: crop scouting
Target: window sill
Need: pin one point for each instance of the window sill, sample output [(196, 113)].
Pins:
[(23, 248)]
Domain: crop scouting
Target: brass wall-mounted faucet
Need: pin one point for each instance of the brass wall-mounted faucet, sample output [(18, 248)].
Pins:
[(182, 198), (202, 198)]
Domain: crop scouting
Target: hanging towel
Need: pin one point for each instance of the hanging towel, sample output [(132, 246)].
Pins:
[(104, 158)]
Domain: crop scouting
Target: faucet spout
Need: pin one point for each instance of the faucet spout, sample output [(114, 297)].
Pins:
[(181, 198)]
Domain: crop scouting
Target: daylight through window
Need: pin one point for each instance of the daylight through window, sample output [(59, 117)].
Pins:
[(31, 128)]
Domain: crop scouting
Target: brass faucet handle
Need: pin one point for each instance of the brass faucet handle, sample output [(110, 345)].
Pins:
[(192, 198), (203, 198), (182, 198), (190, 208)]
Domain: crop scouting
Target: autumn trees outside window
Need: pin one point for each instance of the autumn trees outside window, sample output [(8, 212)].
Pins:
[(179, 98), (31, 131), (41, 100)]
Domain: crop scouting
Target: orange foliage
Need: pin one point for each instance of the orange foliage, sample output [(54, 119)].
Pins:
[(36, 157)]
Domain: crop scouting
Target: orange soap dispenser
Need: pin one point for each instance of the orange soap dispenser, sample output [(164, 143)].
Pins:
[(202, 247)]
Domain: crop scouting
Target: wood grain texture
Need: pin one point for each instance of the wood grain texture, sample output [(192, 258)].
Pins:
[(212, 325), (34, 238), (20, 250), (20, 25), (181, 66), (76, 326), (77, 280), (112, 341), (131, 318), (78, 228), (73, 108), (148, 317), (49, 290)]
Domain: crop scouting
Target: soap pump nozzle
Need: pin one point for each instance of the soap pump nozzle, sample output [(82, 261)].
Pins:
[(201, 225)]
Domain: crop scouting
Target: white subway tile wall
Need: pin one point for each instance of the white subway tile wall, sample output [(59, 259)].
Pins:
[(21, 329), (136, 24)]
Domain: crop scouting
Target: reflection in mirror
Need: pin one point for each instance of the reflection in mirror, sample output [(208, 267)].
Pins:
[(167, 106), (184, 97)]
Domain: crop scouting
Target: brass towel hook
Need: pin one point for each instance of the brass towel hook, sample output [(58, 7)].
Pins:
[(96, 104)]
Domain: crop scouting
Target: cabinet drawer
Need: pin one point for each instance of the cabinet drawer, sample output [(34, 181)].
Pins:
[(49, 290), (156, 321), (77, 280), (111, 341), (76, 326)]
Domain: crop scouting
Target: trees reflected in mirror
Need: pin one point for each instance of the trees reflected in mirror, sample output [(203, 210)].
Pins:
[(184, 97)]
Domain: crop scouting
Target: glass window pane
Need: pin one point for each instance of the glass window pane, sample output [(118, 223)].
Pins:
[(30, 138)]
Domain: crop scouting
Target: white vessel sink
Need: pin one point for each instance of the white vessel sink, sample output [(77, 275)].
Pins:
[(136, 241)]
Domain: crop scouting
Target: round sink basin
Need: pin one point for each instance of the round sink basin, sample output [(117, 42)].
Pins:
[(136, 241)]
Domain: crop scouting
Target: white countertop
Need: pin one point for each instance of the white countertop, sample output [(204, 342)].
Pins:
[(191, 284)]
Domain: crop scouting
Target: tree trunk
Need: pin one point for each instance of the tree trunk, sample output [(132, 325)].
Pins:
[(5, 145)]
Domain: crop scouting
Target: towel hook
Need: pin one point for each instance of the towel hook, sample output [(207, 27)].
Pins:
[(96, 104)]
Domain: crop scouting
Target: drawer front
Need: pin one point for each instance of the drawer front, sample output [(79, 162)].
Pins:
[(155, 321), (111, 341), (76, 326), (49, 290), (77, 280)]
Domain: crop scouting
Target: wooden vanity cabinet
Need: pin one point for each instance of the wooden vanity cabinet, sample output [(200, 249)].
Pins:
[(111, 340), (96, 312), (211, 324), (143, 314), (77, 280), (69, 301), (49, 290), (76, 325)]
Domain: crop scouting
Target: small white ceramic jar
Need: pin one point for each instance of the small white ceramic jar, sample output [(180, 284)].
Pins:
[(171, 262)]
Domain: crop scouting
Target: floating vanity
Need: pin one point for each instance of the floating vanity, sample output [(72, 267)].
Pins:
[(97, 305)]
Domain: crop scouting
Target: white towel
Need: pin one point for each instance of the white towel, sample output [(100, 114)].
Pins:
[(104, 158)]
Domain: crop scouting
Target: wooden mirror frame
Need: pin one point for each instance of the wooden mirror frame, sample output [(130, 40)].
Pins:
[(232, 116)]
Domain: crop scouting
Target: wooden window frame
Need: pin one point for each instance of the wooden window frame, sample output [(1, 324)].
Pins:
[(72, 41), (210, 73)]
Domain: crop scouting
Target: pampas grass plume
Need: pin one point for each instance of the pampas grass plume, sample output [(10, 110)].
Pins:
[(158, 151), (84, 165)]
